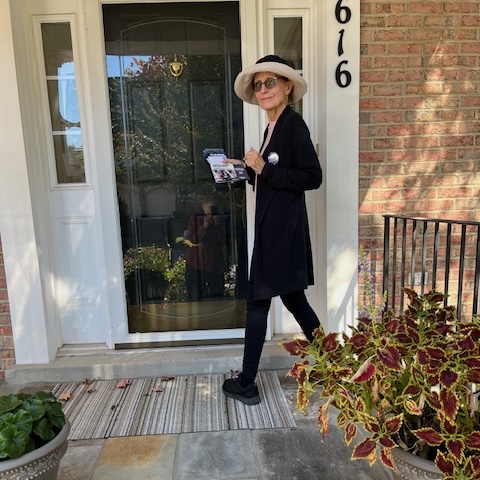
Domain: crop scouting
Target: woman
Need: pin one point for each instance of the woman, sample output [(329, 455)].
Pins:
[(284, 168), (206, 264)]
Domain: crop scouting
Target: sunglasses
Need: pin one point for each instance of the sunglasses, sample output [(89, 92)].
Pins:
[(269, 83)]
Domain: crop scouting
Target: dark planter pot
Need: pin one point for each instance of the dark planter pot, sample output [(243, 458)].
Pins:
[(152, 288), (41, 464), (411, 467)]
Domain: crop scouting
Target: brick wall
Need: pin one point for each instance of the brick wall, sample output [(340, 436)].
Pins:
[(7, 354), (419, 114)]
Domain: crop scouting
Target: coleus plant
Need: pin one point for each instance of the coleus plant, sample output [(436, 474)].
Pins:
[(408, 380)]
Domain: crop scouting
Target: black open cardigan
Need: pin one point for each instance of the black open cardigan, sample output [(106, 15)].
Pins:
[(282, 252)]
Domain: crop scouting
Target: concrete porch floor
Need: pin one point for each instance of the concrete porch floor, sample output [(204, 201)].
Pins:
[(270, 454)]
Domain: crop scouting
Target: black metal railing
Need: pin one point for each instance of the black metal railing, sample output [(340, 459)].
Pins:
[(432, 254)]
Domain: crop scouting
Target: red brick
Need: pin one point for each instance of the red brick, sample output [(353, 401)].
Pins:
[(386, 117), (388, 169), (372, 22), (459, 140), (425, 88), (434, 128), (376, 77), (461, 7), (389, 7), (423, 34), (423, 116), (438, 48), (404, 21), (388, 35), (472, 127), (371, 157), (371, 207), (388, 62), (406, 103), (402, 130), (458, 115), (388, 143), (373, 104), (455, 192), (466, 34), (421, 142), (403, 156), (387, 91), (6, 330), (452, 167), (425, 7), (471, 101), (404, 76), (471, 48)]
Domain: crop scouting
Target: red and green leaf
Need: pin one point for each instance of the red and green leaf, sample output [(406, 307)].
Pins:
[(365, 372), (358, 340), (431, 436), (387, 442), (473, 441), (474, 376), (386, 458), (330, 342), (350, 433), (364, 449), (390, 357), (412, 390), (473, 362), (393, 424), (456, 448), (371, 424), (444, 463), (412, 408), (435, 353), (450, 403), (448, 378), (296, 348)]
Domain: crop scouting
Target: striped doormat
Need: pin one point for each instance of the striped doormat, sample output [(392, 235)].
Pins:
[(183, 404)]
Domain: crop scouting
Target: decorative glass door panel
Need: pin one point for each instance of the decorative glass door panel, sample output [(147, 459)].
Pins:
[(170, 72)]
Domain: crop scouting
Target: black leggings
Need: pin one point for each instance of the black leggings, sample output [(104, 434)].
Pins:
[(256, 325)]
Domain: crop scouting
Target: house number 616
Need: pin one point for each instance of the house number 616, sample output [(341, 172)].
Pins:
[(343, 15)]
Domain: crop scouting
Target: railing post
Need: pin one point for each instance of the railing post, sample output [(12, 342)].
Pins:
[(386, 255)]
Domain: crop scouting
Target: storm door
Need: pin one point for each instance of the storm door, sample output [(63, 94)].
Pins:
[(170, 73)]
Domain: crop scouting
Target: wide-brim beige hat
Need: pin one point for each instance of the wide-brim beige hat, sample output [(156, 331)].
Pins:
[(278, 66)]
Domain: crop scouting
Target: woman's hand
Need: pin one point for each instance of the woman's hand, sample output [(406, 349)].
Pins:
[(234, 161), (254, 160)]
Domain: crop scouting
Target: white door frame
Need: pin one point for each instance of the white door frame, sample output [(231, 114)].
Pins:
[(26, 235)]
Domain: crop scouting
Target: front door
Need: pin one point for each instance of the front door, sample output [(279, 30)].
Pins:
[(170, 73)]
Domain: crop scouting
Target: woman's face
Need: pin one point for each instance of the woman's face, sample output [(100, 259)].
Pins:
[(271, 99)]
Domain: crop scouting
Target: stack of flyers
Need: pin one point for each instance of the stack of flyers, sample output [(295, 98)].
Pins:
[(223, 172)]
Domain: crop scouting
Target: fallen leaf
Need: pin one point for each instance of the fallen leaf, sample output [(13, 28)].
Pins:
[(157, 389), (123, 384), (90, 389), (167, 378), (65, 396), (88, 381)]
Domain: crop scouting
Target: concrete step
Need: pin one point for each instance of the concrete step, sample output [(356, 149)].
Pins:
[(75, 364)]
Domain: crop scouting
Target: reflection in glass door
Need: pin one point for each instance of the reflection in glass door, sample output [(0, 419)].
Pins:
[(170, 70)]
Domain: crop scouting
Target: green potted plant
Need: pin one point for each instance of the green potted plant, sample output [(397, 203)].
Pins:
[(408, 380), (33, 435)]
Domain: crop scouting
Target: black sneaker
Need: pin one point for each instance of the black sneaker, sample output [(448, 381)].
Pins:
[(248, 395)]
